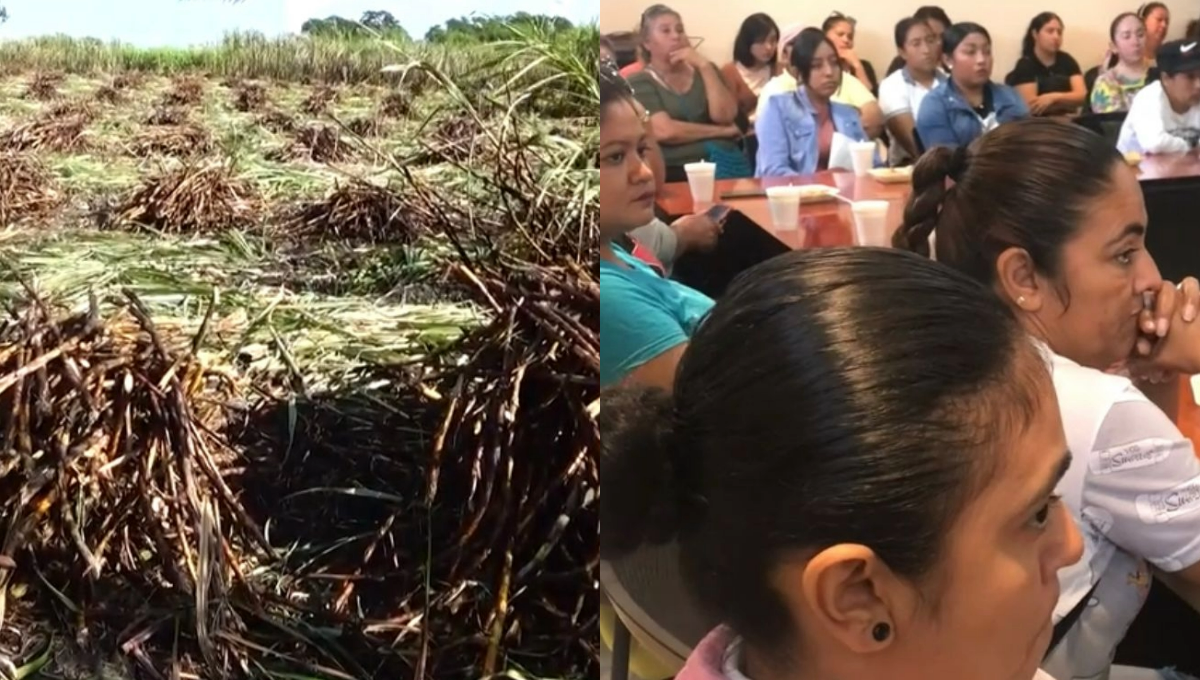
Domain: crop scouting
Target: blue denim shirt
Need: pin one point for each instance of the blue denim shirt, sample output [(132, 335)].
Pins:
[(787, 134), (947, 119)]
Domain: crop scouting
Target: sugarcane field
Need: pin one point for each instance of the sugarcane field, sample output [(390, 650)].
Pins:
[(299, 359)]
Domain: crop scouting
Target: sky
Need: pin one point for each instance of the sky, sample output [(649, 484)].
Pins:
[(188, 22)]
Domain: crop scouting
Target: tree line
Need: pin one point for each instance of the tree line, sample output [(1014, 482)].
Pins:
[(463, 30)]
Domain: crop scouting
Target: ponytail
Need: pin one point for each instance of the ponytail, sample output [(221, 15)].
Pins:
[(642, 501), (929, 193)]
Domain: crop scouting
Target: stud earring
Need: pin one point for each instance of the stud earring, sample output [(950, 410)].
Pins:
[(1021, 301), (881, 632)]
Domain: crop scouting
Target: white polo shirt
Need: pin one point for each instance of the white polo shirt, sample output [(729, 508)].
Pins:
[(1134, 489), (900, 94), (1152, 126)]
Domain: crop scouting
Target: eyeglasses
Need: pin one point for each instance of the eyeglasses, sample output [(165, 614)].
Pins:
[(610, 73)]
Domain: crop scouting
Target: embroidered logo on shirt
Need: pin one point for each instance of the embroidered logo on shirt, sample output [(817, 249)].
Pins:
[(1139, 454), (1187, 48), (1157, 508)]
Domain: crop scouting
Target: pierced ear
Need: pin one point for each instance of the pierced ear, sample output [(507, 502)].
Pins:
[(848, 591), (1018, 279)]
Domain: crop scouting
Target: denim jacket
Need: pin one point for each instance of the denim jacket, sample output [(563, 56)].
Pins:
[(787, 134), (947, 119)]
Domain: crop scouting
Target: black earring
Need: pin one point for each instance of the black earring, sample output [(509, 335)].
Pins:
[(881, 632)]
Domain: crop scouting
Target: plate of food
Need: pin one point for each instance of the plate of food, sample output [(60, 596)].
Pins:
[(817, 193), (892, 175)]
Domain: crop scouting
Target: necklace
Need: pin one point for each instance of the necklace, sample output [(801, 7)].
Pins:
[(678, 86)]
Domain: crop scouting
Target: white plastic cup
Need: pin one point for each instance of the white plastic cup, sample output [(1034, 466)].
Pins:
[(784, 203), (701, 180), (870, 222), (862, 155)]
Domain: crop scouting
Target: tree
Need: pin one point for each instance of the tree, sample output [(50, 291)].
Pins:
[(484, 29), (377, 21)]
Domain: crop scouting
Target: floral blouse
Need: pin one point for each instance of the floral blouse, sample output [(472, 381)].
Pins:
[(1113, 92)]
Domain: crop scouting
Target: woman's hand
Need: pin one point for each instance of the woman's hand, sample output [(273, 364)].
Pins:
[(689, 56), (1042, 104), (1169, 301), (1170, 342), (698, 232)]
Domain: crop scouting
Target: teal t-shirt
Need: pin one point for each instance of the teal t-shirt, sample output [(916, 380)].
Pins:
[(642, 315)]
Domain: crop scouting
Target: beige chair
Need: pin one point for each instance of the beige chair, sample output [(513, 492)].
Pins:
[(652, 608)]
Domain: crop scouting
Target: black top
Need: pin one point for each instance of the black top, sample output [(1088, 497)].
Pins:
[(1053, 78), (988, 103)]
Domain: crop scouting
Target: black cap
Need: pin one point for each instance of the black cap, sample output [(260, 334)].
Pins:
[(1179, 56)]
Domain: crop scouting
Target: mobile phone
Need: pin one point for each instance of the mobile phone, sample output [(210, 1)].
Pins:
[(718, 213)]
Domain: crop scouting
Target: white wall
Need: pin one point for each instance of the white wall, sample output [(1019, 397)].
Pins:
[(717, 22)]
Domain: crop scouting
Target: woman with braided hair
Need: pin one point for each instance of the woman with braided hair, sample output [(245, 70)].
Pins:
[(1059, 237)]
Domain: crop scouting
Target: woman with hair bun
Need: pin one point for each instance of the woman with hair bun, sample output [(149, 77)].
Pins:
[(1061, 241), (860, 481)]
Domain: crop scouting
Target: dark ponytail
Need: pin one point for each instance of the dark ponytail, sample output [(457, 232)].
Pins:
[(935, 168), (647, 508), (1001, 200), (842, 395)]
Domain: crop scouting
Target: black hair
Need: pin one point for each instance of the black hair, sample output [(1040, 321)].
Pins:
[(1000, 200), (927, 12), (1035, 25), (652, 12), (959, 32), (903, 27), (1148, 9), (613, 86), (1112, 35), (846, 395), (804, 48), (755, 29)]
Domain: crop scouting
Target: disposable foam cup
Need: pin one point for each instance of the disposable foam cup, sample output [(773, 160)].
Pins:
[(701, 180), (862, 155), (785, 206), (870, 222)]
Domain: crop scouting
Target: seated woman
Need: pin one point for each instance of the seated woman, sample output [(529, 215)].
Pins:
[(755, 61), (691, 110), (1048, 79), (1062, 241), (1158, 21), (839, 28), (648, 318), (1165, 115), (968, 104), (1116, 87), (938, 21), (796, 130), (901, 94), (848, 500), (850, 91)]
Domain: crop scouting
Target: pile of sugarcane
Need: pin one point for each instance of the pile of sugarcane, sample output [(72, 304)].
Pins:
[(319, 143), (167, 115), (44, 86), (114, 483), (181, 141), (185, 91), (357, 212), (62, 128), (277, 121), (108, 94), (195, 198), (396, 105), (128, 80), (319, 99), (365, 126), (27, 188), (249, 96)]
